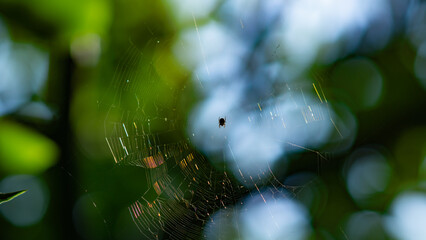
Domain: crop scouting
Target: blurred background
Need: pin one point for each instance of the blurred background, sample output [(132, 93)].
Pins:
[(328, 95)]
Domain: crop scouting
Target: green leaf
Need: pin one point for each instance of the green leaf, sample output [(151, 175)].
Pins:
[(5, 197)]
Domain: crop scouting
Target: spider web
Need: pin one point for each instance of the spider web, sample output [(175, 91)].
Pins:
[(184, 189)]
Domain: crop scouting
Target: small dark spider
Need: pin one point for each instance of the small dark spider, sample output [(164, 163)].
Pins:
[(222, 122)]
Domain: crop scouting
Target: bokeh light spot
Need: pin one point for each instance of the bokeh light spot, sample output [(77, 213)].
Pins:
[(359, 82), (277, 219), (408, 216), (368, 175), (420, 65), (365, 225)]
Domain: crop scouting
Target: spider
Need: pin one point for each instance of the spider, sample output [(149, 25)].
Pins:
[(222, 122)]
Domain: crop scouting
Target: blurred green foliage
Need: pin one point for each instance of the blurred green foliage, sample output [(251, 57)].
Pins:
[(67, 19), (25, 151)]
